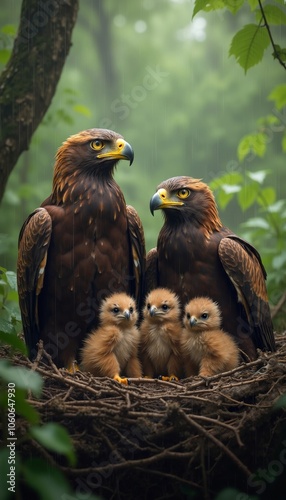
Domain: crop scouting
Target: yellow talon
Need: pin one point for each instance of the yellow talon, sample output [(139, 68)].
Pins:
[(168, 379), (72, 368), (121, 380)]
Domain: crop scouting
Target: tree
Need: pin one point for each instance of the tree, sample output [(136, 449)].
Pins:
[(29, 81)]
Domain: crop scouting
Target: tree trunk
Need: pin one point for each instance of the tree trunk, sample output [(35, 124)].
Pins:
[(29, 81)]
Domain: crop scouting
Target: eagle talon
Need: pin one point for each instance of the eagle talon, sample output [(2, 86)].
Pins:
[(72, 367), (121, 380)]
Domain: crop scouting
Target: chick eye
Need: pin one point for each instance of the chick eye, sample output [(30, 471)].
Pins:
[(115, 310), (148, 306), (97, 144), (183, 193), (165, 307), (188, 316), (131, 309), (204, 316)]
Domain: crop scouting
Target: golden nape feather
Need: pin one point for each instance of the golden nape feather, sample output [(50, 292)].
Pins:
[(207, 349), (112, 349), (160, 333)]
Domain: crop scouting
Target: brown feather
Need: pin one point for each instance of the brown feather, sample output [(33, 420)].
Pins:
[(160, 333), (112, 349), (207, 349), (191, 261), (90, 253)]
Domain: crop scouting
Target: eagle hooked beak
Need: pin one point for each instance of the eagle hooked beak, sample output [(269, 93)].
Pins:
[(162, 200), (122, 151)]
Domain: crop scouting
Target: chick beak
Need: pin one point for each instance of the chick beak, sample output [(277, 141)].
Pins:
[(193, 321), (153, 310), (126, 314)]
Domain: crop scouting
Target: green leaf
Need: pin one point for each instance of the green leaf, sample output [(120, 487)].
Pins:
[(252, 4), (278, 95), (223, 198), (252, 143), (248, 195), (4, 56), (279, 53), (257, 222), (54, 437), (280, 403), (12, 279), (231, 188), (83, 110), (12, 340), (229, 178), (207, 5), (274, 14), (275, 208), (233, 5), (21, 377), (47, 481), (249, 44), (233, 494), (266, 196), (9, 29), (6, 328), (258, 176), (279, 261)]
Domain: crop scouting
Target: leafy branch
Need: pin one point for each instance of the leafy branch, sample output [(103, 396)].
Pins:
[(277, 52), (249, 44)]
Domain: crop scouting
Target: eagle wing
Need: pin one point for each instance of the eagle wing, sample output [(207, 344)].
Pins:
[(243, 265), (34, 240), (151, 274), (137, 242)]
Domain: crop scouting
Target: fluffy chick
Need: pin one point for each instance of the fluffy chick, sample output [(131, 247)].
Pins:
[(160, 334), (112, 349), (207, 349)]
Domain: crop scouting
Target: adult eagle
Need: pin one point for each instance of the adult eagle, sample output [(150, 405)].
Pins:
[(82, 245), (197, 256)]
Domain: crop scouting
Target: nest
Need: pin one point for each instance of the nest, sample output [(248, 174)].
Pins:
[(154, 439)]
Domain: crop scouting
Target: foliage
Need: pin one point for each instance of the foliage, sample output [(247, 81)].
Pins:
[(182, 115), (15, 383), (249, 43), (267, 228)]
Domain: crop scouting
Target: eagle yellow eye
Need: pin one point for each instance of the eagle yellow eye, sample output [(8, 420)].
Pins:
[(183, 193), (97, 145)]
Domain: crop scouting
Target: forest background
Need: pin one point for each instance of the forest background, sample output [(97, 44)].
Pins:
[(166, 82)]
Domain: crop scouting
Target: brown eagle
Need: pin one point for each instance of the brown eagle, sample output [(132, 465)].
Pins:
[(82, 245), (197, 256)]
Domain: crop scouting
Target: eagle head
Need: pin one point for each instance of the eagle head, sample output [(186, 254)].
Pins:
[(188, 199)]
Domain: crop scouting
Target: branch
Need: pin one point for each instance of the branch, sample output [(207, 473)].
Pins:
[(277, 56), (29, 81)]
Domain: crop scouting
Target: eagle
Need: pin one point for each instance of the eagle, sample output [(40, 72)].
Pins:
[(80, 246), (112, 349), (207, 349), (160, 334), (196, 255)]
